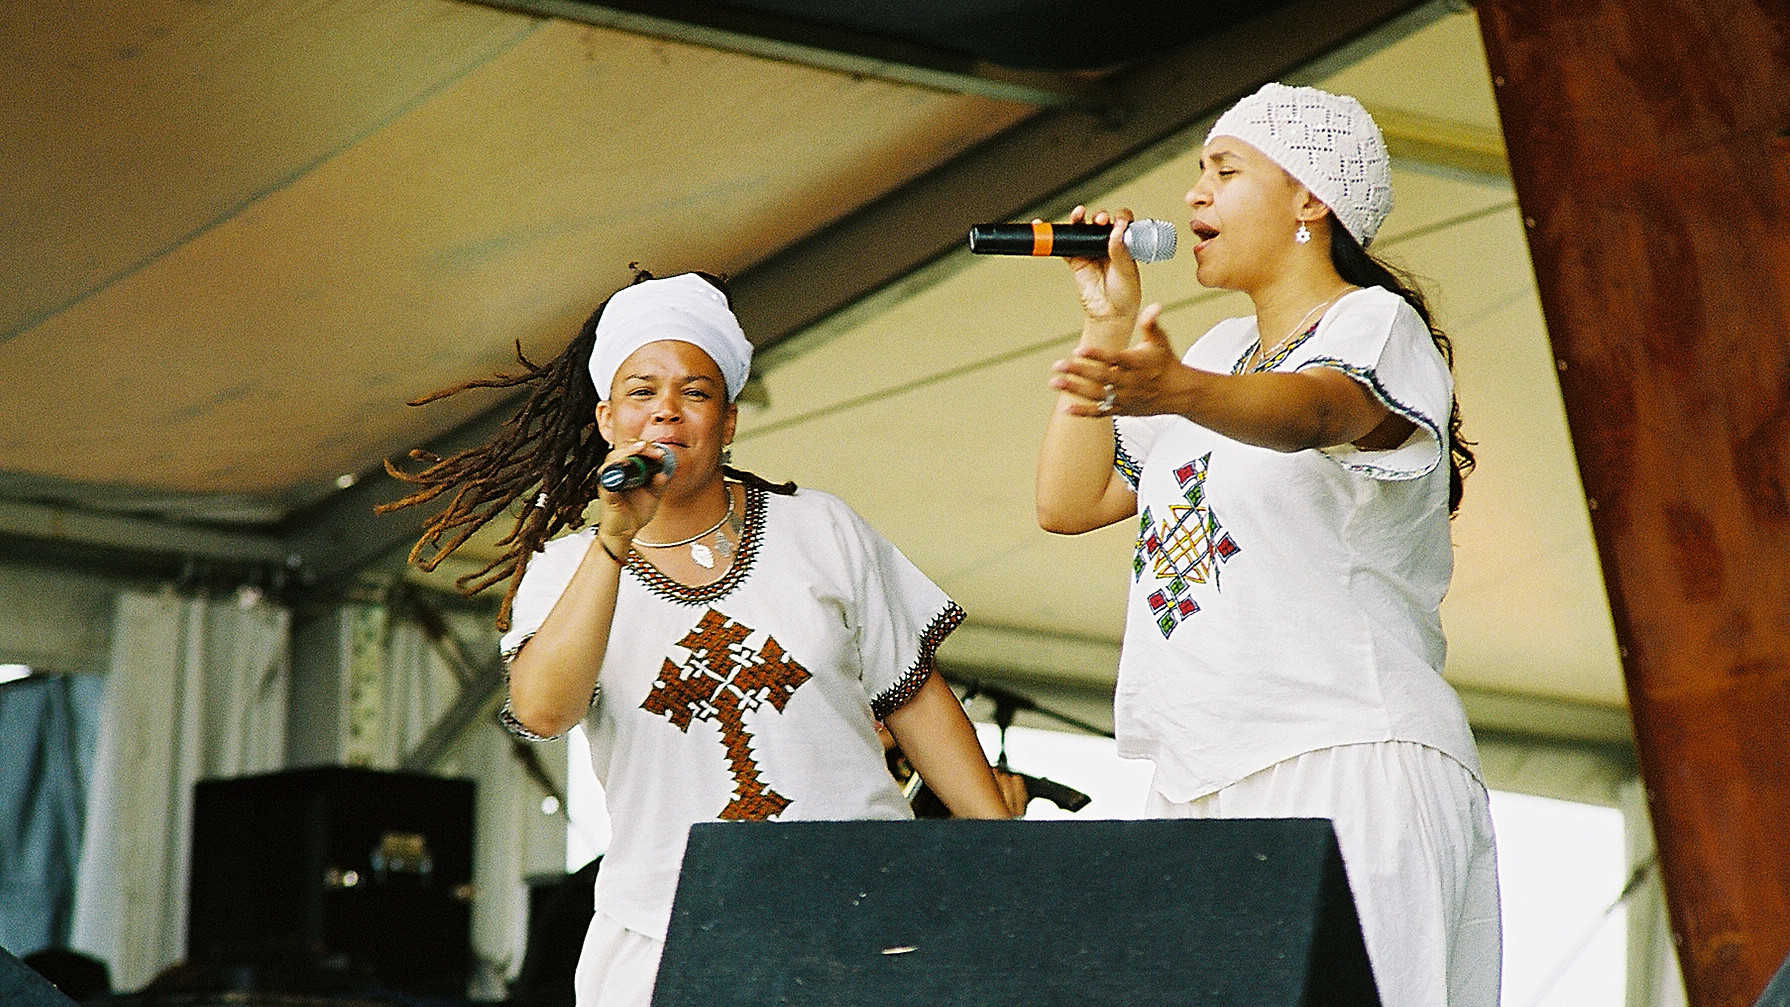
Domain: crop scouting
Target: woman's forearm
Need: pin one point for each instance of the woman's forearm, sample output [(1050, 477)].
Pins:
[(1313, 408), (555, 673), (1076, 489), (1279, 411), (940, 743), (1075, 468)]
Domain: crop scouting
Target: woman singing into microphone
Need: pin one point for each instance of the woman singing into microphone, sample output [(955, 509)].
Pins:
[(1292, 477), (728, 645)]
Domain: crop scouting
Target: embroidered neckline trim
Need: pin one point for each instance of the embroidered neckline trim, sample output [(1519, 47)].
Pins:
[(683, 594), (1278, 357)]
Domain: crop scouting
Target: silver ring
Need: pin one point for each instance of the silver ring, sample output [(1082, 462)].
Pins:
[(1106, 404)]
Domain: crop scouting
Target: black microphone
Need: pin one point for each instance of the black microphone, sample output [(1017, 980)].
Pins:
[(926, 803), (1146, 240), (1060, 794), (635, 471)]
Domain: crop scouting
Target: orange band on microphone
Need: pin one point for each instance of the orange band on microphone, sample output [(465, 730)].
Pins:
[(1041, 237)]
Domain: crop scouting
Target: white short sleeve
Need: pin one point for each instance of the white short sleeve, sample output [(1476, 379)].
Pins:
[(900, 616), (1377, 338), (543, 581)]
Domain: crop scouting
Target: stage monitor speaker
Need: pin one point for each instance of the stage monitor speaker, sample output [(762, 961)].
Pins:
[(358, 864), (21, 986), (1216, 912)]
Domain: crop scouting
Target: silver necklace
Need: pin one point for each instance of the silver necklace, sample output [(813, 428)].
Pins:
[(1262, 355), (701, 554)]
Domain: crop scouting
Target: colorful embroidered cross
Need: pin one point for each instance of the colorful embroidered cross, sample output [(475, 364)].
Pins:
[(723, 679), (1184, 550)]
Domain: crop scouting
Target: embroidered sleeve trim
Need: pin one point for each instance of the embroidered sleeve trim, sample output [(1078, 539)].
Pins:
[(507, 716), (680, 594), (514, 726), (1368, 378), (509, 656), (1127, 466), (897, 695)]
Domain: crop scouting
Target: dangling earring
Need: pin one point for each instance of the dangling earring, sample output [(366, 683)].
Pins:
[(1302, 234)]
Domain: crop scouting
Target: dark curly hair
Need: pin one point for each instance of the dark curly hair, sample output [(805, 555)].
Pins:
[(1360, 267), (546, 455)]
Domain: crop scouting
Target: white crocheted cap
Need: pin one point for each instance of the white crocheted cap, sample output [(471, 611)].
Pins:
[(685, 307), (1326, 141)]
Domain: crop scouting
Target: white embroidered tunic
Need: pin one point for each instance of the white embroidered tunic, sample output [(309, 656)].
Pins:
[(1280, 602), (753, 697)]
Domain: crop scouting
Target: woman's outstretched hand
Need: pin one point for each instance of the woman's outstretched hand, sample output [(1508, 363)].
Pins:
[(1109, 288), (1145, 379)]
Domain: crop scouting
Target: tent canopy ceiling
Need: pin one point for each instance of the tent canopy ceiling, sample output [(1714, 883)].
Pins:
[(1048, 35), (239, 236)]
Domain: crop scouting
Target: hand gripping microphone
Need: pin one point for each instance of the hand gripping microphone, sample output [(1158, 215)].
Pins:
[(635, 471), (1146, 240)]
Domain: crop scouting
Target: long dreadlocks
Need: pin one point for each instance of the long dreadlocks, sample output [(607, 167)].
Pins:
[(546, 455)]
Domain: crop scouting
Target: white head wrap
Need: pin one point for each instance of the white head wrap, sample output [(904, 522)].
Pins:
[(685, 307), (1326, 141)]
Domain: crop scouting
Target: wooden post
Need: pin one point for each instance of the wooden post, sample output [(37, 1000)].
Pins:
[(1648, 142)]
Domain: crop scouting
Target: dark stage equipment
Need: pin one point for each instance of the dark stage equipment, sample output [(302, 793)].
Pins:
[(20, 986), (353, 867), (559, 913), (1216, 912)]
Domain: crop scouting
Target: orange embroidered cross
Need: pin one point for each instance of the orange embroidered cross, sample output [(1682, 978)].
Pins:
[(723, 679)]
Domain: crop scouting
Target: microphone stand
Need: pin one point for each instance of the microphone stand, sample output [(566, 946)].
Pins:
[(1013, 701)]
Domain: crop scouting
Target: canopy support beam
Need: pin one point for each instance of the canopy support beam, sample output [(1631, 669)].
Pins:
[(1650, 147)]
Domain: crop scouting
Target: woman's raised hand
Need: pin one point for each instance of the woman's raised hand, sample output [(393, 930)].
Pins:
[(628, 511), (1078, 489), (1141, 380), (1109, 288)]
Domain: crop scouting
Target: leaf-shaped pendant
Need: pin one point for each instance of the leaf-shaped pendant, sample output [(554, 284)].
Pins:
[(703, 557)]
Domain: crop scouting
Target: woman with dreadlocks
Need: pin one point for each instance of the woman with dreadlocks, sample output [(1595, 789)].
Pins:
[(1292, 479), (727, 644)]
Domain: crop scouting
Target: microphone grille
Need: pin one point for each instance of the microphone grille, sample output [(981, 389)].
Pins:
[(1150, 240)]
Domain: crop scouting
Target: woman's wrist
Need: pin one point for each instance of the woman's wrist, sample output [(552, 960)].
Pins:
[(1188, 388), (616, 546), (1114, 337)]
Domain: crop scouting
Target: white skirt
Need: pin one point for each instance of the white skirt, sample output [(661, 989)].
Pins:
[(1415, 829), (617, 966)]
